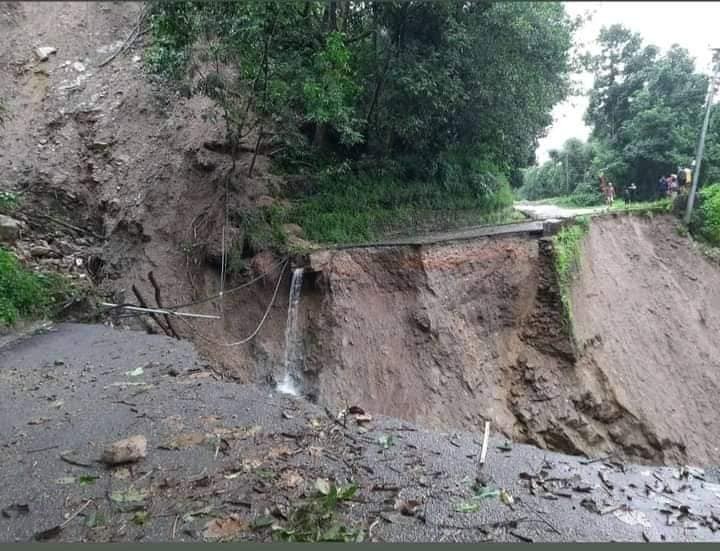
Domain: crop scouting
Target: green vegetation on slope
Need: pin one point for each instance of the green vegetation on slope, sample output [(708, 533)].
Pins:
[(25, 294), (386, 111), (567, 245), (706, 219)]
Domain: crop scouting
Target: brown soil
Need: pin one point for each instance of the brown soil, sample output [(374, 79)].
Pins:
[(453, 335), (653, 304), (112, 151)]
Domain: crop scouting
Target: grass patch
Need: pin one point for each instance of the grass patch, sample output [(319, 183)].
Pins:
[(25, 294), (9, 202), (660, 205), (568, 253), (362, 207), (314, 520)]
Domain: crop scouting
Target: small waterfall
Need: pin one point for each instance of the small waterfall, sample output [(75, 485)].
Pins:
[(292, 380)]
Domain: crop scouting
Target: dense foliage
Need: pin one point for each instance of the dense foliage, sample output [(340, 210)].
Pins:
[(706, 223), (645, 112), (448, 97)]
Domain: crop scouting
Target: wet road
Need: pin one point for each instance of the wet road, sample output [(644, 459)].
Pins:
[(219, 450)]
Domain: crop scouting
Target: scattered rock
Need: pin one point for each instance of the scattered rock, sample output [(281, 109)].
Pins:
[(79, 67), (42, 250), (9, 229), (128, 450), (44, 52)]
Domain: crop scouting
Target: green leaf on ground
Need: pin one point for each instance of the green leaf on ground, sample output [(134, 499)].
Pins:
[(141, 518), (386, 441), (87, 479), (131, 495)]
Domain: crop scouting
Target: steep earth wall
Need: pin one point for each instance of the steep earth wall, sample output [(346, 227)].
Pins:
[(450, 335), (651, 304)]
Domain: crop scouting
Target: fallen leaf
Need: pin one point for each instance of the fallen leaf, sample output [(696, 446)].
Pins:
[(291, 479), (65, 480), (263, 522), (181, 441), (286, 415), (224, 528), (48, 534), (232, 476), (95, 519), (141, 518), (385, 441), (38, 420), (407, 507), (355, 410), (590, 505), (57, 404), (506, 447), (135, 372), (467, 507), (322, 485), (127, 450), (131, 495), (506, 498), (281, 451), (363, 418), (633, 517), (122, 473), (16, 509), (87, 479), (190, 516)]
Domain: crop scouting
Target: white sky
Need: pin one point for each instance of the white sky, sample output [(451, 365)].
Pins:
[(692, 25)]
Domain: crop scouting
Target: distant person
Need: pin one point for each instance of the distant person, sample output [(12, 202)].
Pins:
[(681, 177), (662, 189), (609, 194), (630, 192), (672, 186)]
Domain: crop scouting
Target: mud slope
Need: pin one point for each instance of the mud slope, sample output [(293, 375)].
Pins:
[(112, 150), (655, 304), (452, 335)]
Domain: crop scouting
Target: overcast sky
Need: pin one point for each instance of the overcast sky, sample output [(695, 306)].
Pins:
[(693, 25)]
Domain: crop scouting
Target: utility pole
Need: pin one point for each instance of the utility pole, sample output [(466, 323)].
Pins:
[(703, 132)]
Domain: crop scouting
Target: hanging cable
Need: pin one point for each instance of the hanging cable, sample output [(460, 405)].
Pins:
[(257, 329)]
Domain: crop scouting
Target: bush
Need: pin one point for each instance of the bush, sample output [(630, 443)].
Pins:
[(707, 222), (25, 294)]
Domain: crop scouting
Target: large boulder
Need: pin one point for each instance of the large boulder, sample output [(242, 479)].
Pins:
[(9, 229)]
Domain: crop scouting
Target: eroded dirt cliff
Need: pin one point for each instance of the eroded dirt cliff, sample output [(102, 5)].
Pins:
[(451, 335)]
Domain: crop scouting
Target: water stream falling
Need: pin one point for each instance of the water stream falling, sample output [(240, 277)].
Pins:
[(292, 380)]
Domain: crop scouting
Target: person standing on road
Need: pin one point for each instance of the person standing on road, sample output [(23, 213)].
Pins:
[(610, 194)]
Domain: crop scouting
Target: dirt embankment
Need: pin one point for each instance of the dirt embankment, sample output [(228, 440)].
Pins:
[(452, 335), (652, 304), (136, 167)]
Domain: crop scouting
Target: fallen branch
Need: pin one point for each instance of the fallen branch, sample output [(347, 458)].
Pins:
[(158, 300), (68, 225), (153, 314), (76, 513), (134, 34)]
